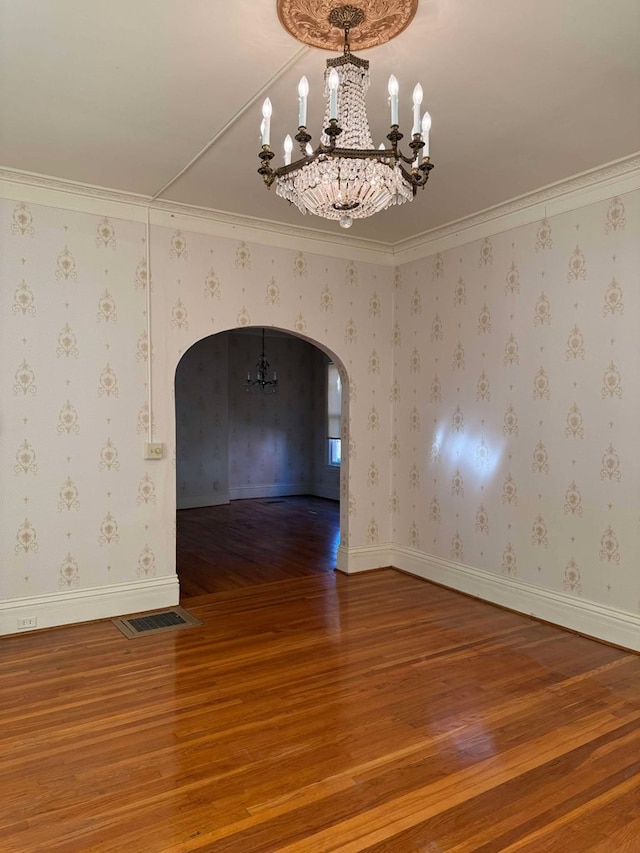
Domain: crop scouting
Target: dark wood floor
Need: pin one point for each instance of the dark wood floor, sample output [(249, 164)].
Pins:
[(315, 712), (249, 542)]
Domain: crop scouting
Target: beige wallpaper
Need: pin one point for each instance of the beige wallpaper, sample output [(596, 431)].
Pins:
[(77, 503), (516, 360), (81, 507), (491, 397)]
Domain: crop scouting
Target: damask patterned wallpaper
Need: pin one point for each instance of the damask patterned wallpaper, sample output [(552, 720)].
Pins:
[(515, 428), (491, 401), (77, 500), (81, 507)]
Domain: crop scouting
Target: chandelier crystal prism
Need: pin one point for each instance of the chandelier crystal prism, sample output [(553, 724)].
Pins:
[(352, 179)]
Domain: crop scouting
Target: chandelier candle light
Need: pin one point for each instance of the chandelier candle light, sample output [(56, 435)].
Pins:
[(353, 180)]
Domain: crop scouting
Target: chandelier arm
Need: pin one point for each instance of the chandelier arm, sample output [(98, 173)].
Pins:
[(416, 145), (381, 155), (394, 136), (302, 137), (268, 175), (417, 177), (406, 159), (304, 161), (425, 167), (333, 131), (410, 178)]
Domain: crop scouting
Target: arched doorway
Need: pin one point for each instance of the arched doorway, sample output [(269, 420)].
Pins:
[(253, 471)]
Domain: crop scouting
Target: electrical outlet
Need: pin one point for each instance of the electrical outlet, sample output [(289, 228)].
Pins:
[(27, 622), (154, 450)]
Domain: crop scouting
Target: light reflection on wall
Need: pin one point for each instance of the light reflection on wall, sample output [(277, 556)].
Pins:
[(473, 450)]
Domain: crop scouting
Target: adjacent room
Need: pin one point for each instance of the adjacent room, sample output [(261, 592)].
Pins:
[(241, 612), (257, 460)]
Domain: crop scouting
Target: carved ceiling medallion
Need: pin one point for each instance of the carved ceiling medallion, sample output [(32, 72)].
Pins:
[(310, 21)]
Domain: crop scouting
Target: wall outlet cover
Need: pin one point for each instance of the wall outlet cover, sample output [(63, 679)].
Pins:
[(154, 450)]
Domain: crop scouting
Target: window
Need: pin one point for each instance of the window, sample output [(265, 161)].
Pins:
[(334, 408), (335, 451)]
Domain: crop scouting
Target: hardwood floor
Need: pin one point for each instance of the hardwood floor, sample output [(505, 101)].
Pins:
[(318, 712), (248, 542)]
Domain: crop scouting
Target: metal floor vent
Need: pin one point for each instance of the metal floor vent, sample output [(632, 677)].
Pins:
[(154, 623)]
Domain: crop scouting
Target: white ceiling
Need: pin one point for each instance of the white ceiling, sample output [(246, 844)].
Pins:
[(124, 94)]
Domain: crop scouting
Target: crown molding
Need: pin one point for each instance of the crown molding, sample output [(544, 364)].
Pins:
[(269, 232), (34, 179), (72, 195), (90, 198), (615, 178)]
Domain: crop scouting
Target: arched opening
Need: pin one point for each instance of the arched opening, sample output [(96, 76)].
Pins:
[(257, 491)]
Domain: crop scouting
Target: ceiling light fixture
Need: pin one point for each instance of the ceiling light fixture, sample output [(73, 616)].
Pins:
[(352, 180), (261, 384)]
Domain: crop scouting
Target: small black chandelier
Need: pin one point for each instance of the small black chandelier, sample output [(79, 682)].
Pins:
[(261, 384), (352, 180)]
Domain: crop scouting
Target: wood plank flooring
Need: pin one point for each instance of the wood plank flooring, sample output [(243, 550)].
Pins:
[(317, 712), (248, 542)]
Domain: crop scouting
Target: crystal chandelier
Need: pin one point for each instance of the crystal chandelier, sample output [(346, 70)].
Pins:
[(261, 384), (352, 180)]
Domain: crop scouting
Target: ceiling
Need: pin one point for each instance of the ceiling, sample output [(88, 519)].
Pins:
[(522, 94)]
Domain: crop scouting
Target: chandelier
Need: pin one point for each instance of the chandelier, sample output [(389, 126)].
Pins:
[(261, 384), (345, 177)]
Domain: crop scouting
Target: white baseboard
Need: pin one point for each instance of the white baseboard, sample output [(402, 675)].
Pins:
[(619, 627), (268, 490), (86, 605), (363, 559)]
